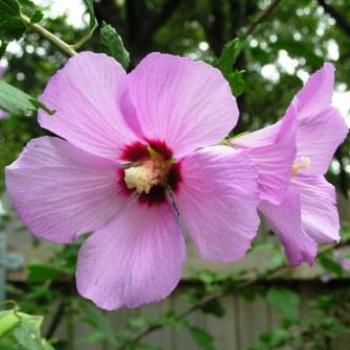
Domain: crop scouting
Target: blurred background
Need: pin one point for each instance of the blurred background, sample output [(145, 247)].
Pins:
[(255, 304)]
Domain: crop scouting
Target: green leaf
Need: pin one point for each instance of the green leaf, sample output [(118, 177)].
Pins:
[(113, 45), (9, 8), (228, 56), (41, 273), (226, 63), (8, 320), (214, 307), (202, 338), (16, 102), (11, 28), (37, 16), (330, 265), (285, 301)]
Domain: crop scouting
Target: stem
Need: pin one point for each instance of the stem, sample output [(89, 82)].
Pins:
[(263, 15), (63, 46)]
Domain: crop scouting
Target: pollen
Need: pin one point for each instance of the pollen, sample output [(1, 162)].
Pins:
[(302, 163), (144, 176)]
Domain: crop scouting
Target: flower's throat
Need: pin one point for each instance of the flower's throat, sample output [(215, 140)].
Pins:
[(145, 174)]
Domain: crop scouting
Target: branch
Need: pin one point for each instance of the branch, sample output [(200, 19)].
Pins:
[(262, 16), (341, 21), (278, 271), (63, 46)]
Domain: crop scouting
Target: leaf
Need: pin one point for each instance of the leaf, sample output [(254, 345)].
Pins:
[(285, 301), (214, 307), (228, 56), (226, 63), (16, 102), (202, 338), (37, 16), (11, 28), (8, 320), (330, 265), (9, 8), (113, 45), (41, 273)]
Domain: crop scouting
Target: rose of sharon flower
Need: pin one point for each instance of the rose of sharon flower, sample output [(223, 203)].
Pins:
[(133, 147), (3, 114), (300, 208)]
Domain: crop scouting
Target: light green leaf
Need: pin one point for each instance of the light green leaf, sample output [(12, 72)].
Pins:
[(113, 45), (202, 338), (285, 301), (16, 102)]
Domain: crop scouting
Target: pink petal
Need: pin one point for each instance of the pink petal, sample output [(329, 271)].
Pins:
[(60, 191), (86, 96), (318, 137), (272, 151), (319, 212), (285, 221), (136, 259), (217, 201), (317, 93), (185, 103)]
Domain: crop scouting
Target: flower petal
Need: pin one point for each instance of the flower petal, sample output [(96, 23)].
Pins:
[(86, 96), (136, 259), (319, 212), (285, 221), (317, 93), (60, 191), (318, 137), (217, 200), (185, 103), (272, 151)]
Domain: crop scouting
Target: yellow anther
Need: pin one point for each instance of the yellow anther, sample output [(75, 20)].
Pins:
[(302, 163)]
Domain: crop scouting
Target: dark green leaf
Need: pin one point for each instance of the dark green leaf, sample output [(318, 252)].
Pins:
[(228, 56), (15, 101), (37, 16), (330, 265), (11, 28), (9, 8), (42, 273), (202, 338), (214, 307), (285, 301), (112, 44)]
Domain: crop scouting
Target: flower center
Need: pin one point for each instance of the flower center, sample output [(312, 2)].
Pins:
[(147, 174), (150, 171), (302, 163)]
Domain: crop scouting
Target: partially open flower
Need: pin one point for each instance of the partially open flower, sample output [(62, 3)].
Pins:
[(292, 157)]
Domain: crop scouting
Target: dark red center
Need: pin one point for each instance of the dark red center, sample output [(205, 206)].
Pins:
[(138, 152)]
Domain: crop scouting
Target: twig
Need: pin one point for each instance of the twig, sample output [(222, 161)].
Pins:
[(262, 16), (341, 21), (63, 46), (56, 319)]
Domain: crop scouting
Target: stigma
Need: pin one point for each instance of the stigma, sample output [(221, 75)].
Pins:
[(302, 163)]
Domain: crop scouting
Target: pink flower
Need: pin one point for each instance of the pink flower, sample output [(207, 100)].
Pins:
[(292, 157), (3, 115), (132, 145)]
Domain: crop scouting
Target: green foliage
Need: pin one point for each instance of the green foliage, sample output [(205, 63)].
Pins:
[(112, 44), (285, 301), (226, 63), (202, 338), (9, 8), (20, 331), (16, 102)]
